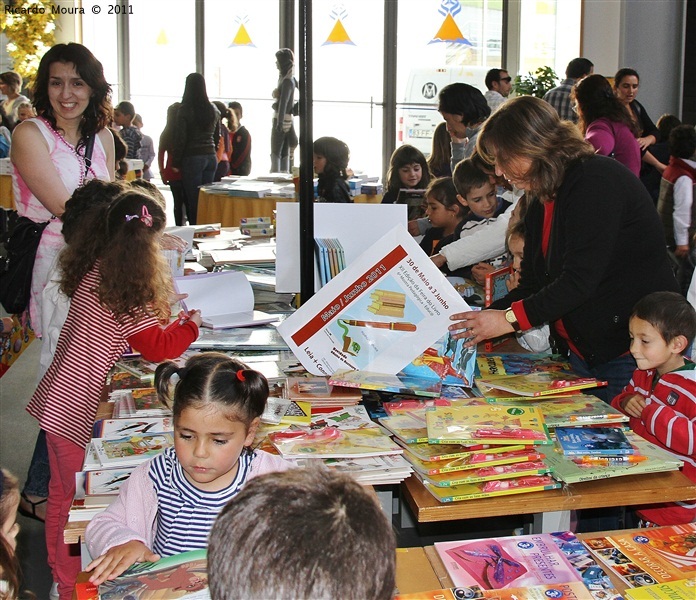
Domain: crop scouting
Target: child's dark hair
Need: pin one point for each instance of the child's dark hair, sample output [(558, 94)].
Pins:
[(668, 312), (442, 190), (665, 124), (126, 108), (467, 175), (682, 141), (402, 156), (337, 156), (120, 147), (213, 377), (9, 564)]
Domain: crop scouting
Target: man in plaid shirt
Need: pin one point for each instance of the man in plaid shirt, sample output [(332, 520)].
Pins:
[(559, 97)]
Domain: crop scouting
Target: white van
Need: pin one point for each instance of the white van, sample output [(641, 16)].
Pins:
[(418, 116)]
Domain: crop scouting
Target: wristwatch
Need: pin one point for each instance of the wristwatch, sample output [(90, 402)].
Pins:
[(512, 319)]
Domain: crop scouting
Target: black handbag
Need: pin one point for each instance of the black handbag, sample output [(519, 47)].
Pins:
[(17, 265)]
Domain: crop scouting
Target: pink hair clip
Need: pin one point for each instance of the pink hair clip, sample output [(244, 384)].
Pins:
[(145, 217)]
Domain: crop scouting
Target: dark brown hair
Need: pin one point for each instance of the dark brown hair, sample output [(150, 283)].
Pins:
[(441, 154), (596, 100), (527, 127), (668, 312), (406, 155)]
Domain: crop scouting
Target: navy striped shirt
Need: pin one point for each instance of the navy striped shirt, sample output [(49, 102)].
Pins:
[(186, 514)]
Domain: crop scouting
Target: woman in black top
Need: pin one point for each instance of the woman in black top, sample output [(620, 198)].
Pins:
[(195, 143)]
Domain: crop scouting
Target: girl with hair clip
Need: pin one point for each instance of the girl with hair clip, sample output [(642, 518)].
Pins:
[(407, 178), (331, 157), (9, 565), (119, 296), (169, 504)]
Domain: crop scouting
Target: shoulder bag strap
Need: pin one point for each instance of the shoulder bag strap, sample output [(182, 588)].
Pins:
[(89, 147)]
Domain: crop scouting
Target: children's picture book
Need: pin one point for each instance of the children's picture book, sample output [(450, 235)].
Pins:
[(132, 450), (117, 428), (648, 556), (593, 441), (297, 413), (125, 380), (215, 293), (562, 591), (569, 411), (656, 460), (447, 360), (521, 469), (475, 460), (494, 288), (408, 427), (398, 384), (142, 369), (106, 482), (491, 365), (367, 470), (507, 562), (318, 390), (486, 425), (440, 452), (684, 589), (488, 489), (332, 442), (334, 330), (541, 383), (140, 402), (180, 576)]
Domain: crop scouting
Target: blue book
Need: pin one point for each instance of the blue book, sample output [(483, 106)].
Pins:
[(593, 441)]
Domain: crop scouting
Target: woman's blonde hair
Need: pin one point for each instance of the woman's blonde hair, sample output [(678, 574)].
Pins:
[(527, 127)]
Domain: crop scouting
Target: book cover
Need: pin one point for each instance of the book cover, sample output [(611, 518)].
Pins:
[(507, 562), (657, 461), (334, 330), (146, 402), (332, 442), (214, 293), (486, 425), (542, 383), (297, 413), (447, 360), (106, 482), (142, 369), (562, 591), (648, 556), (569, 411), (593, 441), (408, 427), (313, 389), (497, 365), (499, 472), (495, 287), (488, 489), (116, 428), (684, 589), (322, 260), (439, 452), (180, 576), (398, 384), (131, 451), (475, 460)]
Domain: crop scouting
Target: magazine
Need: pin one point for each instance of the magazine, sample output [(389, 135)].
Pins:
[(684, 589), (648, 556), (486, 425), (335, 329), (180, 576)]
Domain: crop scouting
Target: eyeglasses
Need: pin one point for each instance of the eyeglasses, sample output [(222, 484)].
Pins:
[(506, 79)]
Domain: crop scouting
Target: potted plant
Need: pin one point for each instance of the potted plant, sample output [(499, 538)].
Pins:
[(535, 84)]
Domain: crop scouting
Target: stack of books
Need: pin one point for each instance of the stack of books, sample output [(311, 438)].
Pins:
[(140, 402), (256, 227), (331, 258), (319, 393)]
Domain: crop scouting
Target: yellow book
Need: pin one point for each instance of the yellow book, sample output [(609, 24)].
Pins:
[(487, 489), (541, 384)]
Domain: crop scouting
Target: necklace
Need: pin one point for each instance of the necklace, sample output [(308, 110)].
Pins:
[(85, 169)]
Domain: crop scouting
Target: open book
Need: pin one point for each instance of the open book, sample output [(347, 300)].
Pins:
[(225, 299)]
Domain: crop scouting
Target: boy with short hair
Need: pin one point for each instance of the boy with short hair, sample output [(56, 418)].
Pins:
[(328, 538), (476, 192), (660, 399), (124, 113)]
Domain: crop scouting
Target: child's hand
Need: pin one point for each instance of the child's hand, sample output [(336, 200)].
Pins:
[(513, 281), (633, 405), (479, 270), (117, 559), (195, 316)]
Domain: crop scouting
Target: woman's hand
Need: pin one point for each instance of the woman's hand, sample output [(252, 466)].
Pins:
[(117, 559), (479, 325), (479, 270), (646, 141), (681, 251)]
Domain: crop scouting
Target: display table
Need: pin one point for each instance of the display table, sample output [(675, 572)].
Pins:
[(630, 490), (228, 210)]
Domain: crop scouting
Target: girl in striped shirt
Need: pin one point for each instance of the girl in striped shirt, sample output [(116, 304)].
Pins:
[(119, 292), (169, 504)]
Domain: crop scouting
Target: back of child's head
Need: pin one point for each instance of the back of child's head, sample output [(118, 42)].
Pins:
[(303, 533), (213, 378), (401, 157), (441, 152), (669, 313), (137, 120), (665, 124), (9, 565), (151, 189), (682, 141), (134, 273), (336, 154), (442, 189), (468, 175), (126, 108)]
